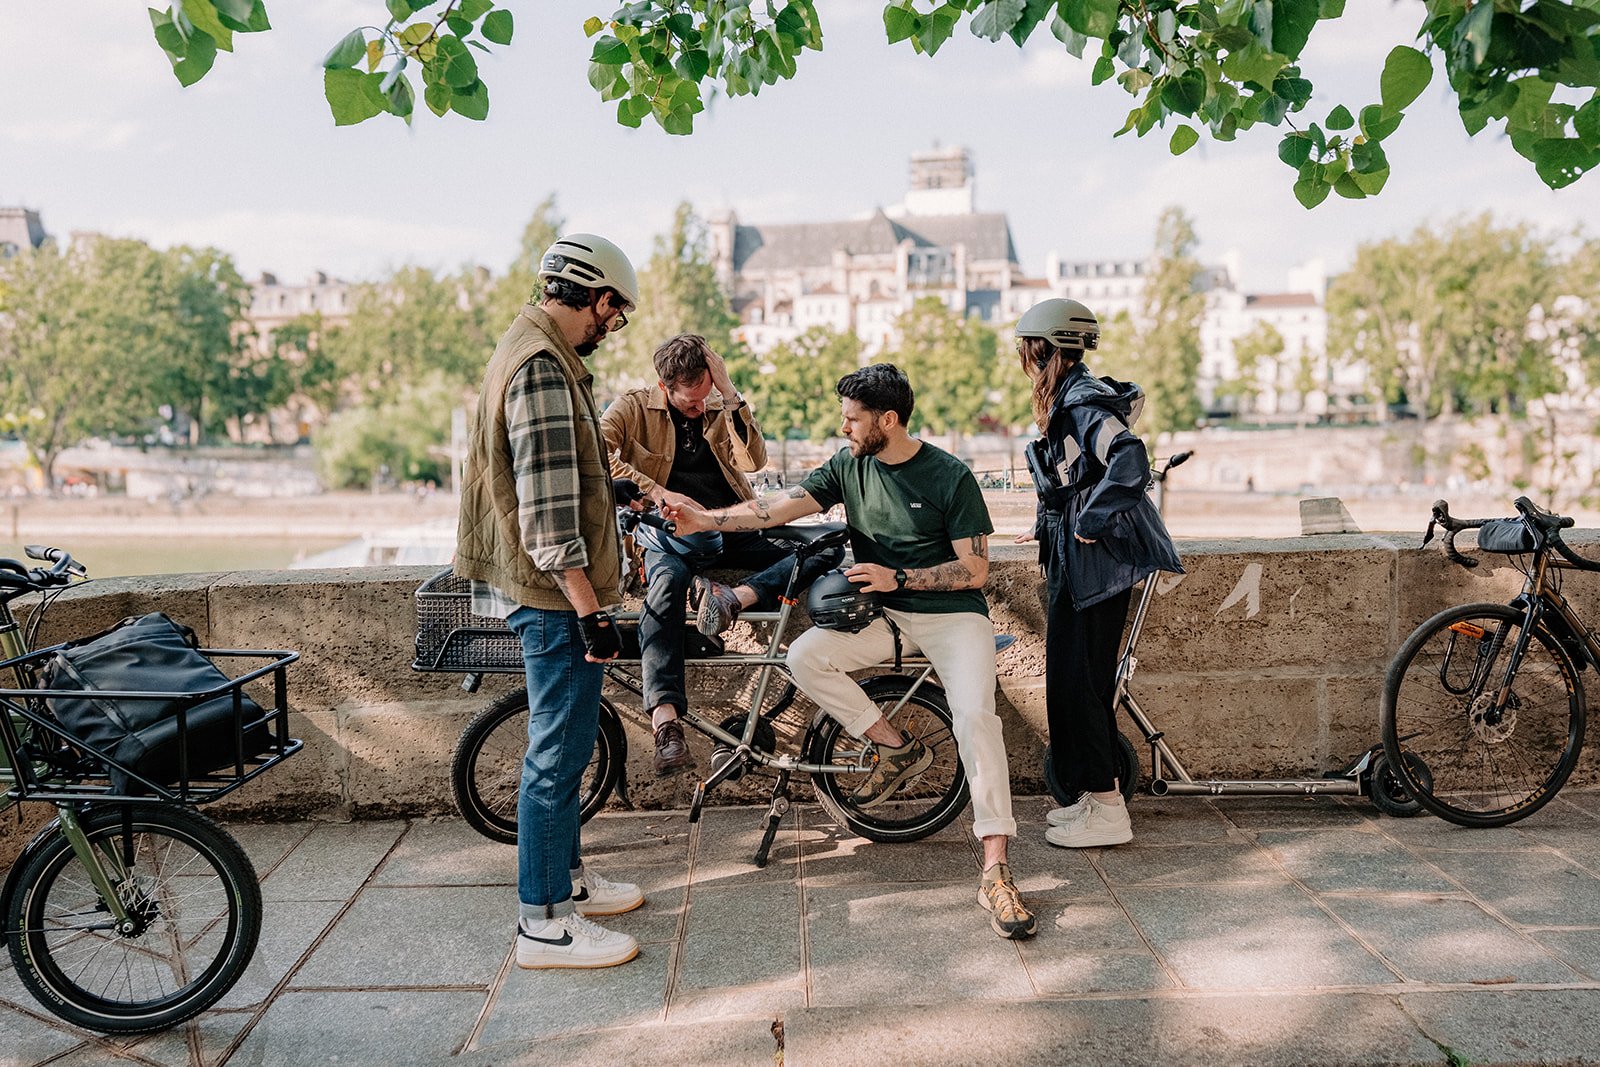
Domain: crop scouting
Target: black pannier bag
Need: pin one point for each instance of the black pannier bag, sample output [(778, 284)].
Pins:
[(150, 653), (1507, 536)]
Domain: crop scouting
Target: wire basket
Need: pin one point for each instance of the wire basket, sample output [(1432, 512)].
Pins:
[(451, 638)]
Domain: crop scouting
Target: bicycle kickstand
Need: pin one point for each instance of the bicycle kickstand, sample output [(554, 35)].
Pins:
[(775, 814)]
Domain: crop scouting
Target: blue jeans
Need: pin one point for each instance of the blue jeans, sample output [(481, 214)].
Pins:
[(563, 719)]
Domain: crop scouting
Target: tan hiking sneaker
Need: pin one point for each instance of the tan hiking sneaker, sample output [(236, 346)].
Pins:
[(998, 894), (890, 768)]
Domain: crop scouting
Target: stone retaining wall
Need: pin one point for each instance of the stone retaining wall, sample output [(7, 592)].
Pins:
[(1264, 660)]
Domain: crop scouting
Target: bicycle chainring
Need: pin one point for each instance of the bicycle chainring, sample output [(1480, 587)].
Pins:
[(765, 740)]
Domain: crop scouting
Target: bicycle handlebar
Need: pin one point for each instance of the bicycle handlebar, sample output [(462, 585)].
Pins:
[(15, 576), (1545, 524)]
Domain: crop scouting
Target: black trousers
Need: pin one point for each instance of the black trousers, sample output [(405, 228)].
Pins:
[(1080, 681)]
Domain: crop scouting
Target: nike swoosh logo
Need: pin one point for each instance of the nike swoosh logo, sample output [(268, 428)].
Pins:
[(559, 942)]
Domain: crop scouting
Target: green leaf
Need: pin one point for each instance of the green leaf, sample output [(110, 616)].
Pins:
[(1292, 22), (353, 96), (1586, 123), (387, 85), (937, 28), (473, 10), (1531, 108), (1183, 139), (1377, 125), (1340, 118), (1103, 69), (1032, 14), (995, 18), (1371, 183), (458, 25), (1071, 38), (497, 26), (626, 117), (200, 53), (900, 23), (1330, 9), (678, 121), (1254, 64), (399, 99), (350, 50), (610, 51), (692, 64), (1471, 39), (1092, 18), (167, 35), (1310, 192), (460, 69), (592, 25), (1346, 187), (399, 10), (1294, 149), (243, 16), (1405, 74), (437, 97), (1561, 161), (203, 13), (471, 101), (1368, 157)]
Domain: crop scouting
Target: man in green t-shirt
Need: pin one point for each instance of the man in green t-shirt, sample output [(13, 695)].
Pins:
[(919, 530)]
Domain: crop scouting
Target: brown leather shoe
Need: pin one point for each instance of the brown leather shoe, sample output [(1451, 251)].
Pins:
[(672, 751)]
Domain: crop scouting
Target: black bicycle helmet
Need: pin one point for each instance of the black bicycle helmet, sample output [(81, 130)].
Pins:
[(837, 603)]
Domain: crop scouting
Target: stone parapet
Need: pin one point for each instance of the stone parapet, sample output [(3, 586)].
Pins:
[(1264, 660)]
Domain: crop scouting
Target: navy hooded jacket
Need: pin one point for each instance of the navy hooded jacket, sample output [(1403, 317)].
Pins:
[(1100, 472)]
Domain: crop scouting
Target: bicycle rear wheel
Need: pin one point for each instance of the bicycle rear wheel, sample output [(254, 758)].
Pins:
[(922, 806), (1486, 764), (486, 771), (195, 909)]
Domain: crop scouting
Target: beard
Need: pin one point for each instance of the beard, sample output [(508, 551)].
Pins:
[(874, 442), (591, 341), (586, 349)]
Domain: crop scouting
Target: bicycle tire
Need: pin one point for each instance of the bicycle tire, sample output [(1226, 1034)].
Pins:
[(1127, 758), (1485, 767), (198, 901), (486, 770), (921, 807)]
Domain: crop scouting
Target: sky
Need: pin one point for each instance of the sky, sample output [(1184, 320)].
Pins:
[(98, 135)]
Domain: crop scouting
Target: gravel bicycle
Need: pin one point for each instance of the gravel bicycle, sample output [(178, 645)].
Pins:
[(130, 911), (1483, 708), (759, 737)]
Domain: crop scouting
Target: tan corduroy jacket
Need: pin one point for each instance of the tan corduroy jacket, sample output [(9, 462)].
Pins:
[(489, 534), (638, 429)]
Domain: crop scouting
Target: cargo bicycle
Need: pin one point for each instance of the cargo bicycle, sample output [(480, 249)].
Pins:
[(487, 766), (130, 911)]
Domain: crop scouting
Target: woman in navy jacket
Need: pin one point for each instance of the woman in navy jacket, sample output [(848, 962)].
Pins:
[(1099, 536)]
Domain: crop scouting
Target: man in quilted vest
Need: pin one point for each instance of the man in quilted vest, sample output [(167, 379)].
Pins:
[(538, 538)]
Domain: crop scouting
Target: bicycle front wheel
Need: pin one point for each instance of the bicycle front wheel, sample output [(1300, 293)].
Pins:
[(194, 909), (486, 772), (1484, 760), (922, 806)]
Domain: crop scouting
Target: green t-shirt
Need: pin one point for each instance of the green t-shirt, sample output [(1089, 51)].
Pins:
[(907, 515)]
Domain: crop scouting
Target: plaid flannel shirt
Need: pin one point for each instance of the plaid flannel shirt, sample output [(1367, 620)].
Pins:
[(544, 454)]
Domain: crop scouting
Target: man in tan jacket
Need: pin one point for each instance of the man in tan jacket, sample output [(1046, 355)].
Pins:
[(683, 444)]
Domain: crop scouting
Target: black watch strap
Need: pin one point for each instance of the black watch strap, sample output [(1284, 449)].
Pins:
[(900, 578)]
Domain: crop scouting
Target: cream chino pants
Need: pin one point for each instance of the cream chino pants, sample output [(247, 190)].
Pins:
[(961, 648)]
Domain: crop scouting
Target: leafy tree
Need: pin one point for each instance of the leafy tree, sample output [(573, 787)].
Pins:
[(314, 380), (1159, 348), (412, 323), (209, 368), (794, 393), (403, 437), (1263, 342), (678, 293), (1442, 317), (952, 362), (1220, 65)]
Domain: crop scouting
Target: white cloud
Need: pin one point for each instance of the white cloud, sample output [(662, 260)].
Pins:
[(87, 134)]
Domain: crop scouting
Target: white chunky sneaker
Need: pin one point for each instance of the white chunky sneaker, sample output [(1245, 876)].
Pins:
[(1070, 814), (1106, 824), (571, 941), (594, 895)]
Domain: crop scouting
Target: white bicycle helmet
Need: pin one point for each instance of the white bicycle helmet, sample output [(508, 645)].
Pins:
[(1064, 323), (593, 262)]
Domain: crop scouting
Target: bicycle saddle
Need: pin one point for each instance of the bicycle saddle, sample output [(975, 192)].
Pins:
[(811, 538)]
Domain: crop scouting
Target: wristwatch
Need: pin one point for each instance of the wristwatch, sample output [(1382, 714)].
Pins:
[(900, 579)]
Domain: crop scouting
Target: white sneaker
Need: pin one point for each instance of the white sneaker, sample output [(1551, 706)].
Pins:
[(1106, 824), (1070, 814), (571, 941), (594, 895)]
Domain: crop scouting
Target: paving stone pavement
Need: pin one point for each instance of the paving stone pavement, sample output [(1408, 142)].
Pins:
[(1248, 931)]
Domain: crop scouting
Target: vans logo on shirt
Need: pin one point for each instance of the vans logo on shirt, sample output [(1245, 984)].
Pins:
[(916, 503)]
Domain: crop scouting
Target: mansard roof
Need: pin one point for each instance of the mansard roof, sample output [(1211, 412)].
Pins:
[(796, 246)]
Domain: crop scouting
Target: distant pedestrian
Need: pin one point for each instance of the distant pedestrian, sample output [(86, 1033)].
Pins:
[(1099, 535), (538, 537)]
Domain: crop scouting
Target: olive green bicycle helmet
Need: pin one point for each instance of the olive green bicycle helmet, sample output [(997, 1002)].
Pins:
[(593, 262), (1064, 323)]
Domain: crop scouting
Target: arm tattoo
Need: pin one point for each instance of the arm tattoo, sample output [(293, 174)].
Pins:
[(980, 546), (762, 511), (796, 493), (946, 576)]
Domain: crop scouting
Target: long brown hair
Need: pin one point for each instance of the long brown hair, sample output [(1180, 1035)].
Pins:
[(1046, 379)]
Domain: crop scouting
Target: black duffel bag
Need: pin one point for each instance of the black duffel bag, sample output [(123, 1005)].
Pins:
[(151, 654)]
